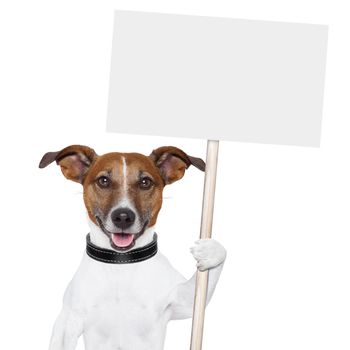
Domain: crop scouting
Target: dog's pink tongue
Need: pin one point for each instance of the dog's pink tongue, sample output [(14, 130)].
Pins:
[(122, 240)]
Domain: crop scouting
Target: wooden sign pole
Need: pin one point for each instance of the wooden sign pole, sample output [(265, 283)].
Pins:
[(205, 233)]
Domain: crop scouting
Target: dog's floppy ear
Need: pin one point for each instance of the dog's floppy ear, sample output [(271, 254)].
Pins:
[(74, 161), (172, 163)]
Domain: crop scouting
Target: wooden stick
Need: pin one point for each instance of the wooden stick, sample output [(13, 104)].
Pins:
[(206, 227)]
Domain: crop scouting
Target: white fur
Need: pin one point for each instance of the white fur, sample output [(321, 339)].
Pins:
[(127, 307), (125, 184)]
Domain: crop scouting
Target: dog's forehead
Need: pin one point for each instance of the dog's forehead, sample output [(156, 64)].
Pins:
[(109, 163), (138, 160), (118, 164)]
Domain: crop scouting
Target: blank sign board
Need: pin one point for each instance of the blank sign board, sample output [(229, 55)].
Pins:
[(217, 78)]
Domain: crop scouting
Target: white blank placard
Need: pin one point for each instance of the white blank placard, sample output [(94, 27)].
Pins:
[(217, 78)]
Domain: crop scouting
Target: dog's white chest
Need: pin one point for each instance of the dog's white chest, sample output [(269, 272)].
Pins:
[(124, 306)]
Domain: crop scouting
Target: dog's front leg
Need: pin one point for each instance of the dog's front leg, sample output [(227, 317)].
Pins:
[(67, 329), (210, 255)]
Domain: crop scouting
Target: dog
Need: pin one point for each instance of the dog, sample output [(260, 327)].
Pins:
[(125, 291)]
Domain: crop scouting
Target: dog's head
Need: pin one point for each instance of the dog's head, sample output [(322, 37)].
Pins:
[(122, 191)]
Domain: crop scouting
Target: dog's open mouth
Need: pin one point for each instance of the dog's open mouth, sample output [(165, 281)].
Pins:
[(121, 240)]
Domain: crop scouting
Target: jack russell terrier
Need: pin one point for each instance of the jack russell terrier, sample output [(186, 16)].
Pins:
[(125, 291)]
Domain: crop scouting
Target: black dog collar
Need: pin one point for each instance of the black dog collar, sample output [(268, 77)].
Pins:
[(112, 257)]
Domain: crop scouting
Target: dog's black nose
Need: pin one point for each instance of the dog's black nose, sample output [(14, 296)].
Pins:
[(123, 218)]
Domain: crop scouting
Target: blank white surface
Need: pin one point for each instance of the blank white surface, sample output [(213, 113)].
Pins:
[(282, 212), (217, 78)]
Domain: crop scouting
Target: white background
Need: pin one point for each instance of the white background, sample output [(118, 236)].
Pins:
[(281, 212)]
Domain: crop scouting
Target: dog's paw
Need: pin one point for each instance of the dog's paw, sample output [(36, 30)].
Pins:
[(208, 253)]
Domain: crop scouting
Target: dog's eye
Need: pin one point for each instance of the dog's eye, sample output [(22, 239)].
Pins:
[(103, 181), (145, 183)]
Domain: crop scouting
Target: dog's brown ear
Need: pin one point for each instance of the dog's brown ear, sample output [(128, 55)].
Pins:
[(172, 163), (74, 161)]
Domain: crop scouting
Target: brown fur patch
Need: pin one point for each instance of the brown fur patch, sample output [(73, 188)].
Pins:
[(98, 200)]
